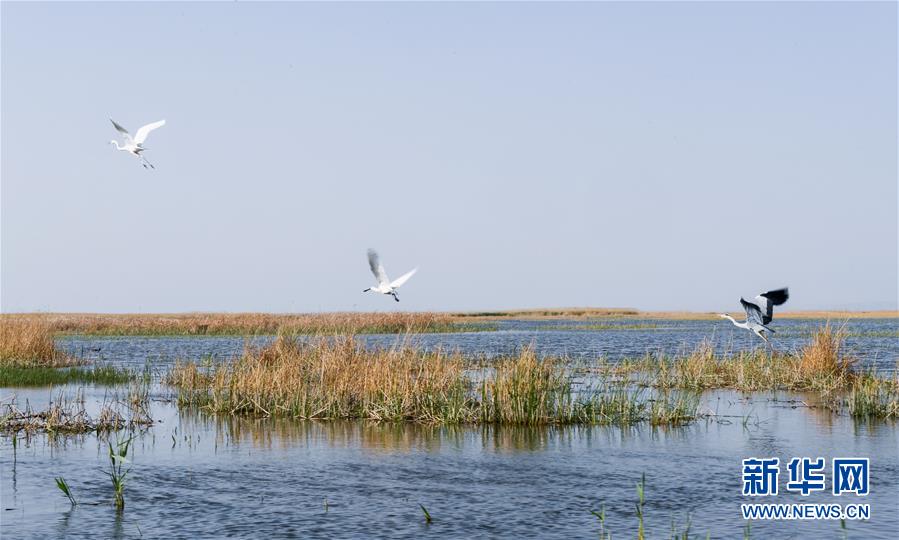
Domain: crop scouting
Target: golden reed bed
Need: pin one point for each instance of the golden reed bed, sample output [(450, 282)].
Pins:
[(232, 323)]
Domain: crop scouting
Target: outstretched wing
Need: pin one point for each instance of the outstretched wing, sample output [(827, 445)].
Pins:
[(375, 263), (753, 312), (403, 278), (121, 130), (768, 300), (142, 133)]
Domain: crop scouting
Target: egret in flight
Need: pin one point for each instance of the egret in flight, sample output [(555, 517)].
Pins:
[(135, 145), (385, 286), (760, 312)]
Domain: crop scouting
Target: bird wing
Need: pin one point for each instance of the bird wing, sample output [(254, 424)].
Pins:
[(403, 278), (121, 130), (376, 268), (753, 312), (768, 300), (142, 133)]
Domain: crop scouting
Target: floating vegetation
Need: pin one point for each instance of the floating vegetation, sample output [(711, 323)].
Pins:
[(217, 324), (338, 379), (14, 375), (70, 417)]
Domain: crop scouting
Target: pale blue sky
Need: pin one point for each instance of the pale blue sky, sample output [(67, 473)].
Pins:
[(657, 156)]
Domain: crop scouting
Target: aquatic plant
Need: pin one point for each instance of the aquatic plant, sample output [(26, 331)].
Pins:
[(338, 378), (69, 416), (873, 397), (28, 342), (640, 511), (64, 487), (641, 500), (426, 513), (822, 366), (601, 516), (16, 375), (117, 472)]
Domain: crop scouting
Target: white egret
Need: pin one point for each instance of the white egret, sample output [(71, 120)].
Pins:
[(135, 145), (760, 312), (385, 286)]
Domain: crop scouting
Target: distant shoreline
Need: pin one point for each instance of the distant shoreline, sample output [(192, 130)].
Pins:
[(625, 313), (530, 313)]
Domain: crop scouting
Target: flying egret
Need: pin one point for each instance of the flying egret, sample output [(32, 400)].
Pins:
[(385, 286), (135, 145), (760, 311)]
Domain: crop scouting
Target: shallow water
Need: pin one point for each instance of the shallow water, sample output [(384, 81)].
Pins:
[(197, 476)]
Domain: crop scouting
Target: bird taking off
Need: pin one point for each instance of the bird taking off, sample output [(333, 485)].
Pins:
[(760, 312), (385, 286), (135, 145)]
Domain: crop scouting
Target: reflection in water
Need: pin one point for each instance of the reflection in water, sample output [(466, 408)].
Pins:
[(199, 475)]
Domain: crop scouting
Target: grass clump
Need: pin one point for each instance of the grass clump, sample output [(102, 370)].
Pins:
[(871, 397), (330, 379), (69, 416), (339, 379), (15, 375), (822, 366), (28, 342)]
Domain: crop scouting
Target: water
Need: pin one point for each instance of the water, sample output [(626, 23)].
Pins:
[(874, 341), (197, 476)]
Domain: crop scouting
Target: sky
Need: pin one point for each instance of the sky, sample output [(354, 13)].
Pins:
[(659, 156)]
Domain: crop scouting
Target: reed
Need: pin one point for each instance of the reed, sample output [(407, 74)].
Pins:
[(118, 457), (822, 366), (337, 378), (69, 416), (64, 487), (871, 397), (243, 323), (641, 502), (28, 342), (427, 514)]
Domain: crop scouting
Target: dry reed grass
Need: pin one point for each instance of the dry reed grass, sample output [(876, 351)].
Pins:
[(338, 379), (237, 323), (70, 417), (28, 342), (822, 366)]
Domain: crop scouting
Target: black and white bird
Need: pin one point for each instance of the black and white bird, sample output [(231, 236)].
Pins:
[(385, 286), (135, 145), (760, 312)]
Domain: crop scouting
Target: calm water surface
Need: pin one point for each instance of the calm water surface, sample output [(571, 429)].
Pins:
[(197, 476)]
